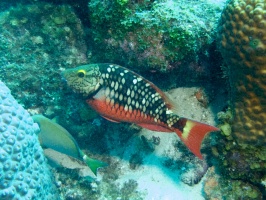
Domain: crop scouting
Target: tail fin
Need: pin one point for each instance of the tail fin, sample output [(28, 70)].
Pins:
[(192, 133), (93, 164)]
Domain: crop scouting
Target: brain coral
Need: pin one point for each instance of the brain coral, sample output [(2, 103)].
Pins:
[(24, 173), (242, 38)]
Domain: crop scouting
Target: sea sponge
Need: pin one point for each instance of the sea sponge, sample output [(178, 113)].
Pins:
[(24, 173), (242, 38)]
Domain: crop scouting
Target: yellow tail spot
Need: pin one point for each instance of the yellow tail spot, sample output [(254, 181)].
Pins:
[(186, 130)]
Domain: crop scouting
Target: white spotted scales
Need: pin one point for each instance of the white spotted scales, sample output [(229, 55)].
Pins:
[(118, 94)]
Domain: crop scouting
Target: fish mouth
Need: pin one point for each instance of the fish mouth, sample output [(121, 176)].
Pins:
[(79, 94)]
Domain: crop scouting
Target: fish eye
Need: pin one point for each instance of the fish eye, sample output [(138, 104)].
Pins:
[(81, 73)]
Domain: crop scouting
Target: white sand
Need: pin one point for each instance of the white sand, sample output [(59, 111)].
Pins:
[(156, 181)]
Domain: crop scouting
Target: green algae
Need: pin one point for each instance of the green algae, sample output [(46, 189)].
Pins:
[(35, 49), (226, 129), (149, 35)]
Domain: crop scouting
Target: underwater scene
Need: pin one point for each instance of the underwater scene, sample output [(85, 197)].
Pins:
[(132, 100)]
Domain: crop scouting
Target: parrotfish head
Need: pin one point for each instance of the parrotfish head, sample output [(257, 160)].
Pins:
[(84, 79)]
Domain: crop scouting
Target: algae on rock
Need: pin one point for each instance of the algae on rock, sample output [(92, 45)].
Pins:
[(151, 35)]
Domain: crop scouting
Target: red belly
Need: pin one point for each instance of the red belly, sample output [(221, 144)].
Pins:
[(118, 113)]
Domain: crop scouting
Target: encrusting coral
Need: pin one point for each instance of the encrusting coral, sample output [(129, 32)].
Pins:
[(24, 173), (36, 41), (151, 35)]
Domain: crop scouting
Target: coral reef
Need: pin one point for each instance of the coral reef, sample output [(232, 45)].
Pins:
[(151, 35), (239, 154), (73, 186), (245, 163), (218, 188), (39, 39), (24, 173), (242, 43), (36, 41)]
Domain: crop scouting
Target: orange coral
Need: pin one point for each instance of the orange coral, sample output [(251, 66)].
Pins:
[(242, 38)]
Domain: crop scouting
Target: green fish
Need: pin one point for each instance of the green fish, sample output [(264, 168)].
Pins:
[(55, 137)]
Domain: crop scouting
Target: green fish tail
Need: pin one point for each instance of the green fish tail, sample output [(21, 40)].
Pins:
[(93, 164)]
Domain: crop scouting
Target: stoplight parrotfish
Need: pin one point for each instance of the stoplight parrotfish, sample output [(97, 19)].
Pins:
[(55, 137), (120, 95)]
